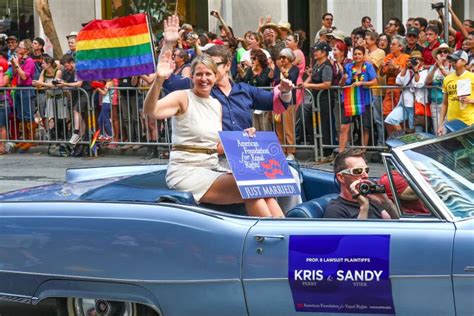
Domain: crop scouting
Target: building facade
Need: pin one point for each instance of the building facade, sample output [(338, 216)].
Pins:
[(19, 17)]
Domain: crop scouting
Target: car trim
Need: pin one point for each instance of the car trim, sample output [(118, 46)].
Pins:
[(435, 139), (463, 275), (80, 277), (17, 298), (74, 175), (396, 276), (401, 276), (264, 279)]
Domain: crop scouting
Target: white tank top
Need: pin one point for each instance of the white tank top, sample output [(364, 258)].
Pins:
[(199, 127)]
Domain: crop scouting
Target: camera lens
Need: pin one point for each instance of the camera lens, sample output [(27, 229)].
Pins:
[(364, 188)]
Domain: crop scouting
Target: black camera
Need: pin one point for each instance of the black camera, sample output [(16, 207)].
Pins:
[(413, 61), (371, 188), (56, 81), (437, 5)]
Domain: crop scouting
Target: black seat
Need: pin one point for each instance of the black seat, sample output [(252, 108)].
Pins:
[(313, 208)]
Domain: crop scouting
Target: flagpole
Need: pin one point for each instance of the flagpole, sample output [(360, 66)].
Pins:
[(152, 42), (176, 7)]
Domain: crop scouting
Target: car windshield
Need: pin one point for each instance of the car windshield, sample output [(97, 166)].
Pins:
[(448, 167)]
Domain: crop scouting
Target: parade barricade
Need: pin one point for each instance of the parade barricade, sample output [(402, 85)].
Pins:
[(43, 116), (371, 129), (299, 131), (130, 127), (49, 116)]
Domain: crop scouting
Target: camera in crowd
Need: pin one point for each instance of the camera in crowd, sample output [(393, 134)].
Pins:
[(3, 40), (437, 6), (412, 62), (192, 36), (56, 81), (366, 188)]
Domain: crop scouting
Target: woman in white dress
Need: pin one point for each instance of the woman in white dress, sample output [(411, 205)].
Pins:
[(196, 121)]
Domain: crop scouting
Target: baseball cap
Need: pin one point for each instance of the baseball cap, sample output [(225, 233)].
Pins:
[(413, 30), (322, 46), (39, 40), (337, 34), (459, 54), (12, 37), (71, 34)]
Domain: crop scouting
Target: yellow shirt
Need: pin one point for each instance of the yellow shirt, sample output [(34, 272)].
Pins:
[(456, 110)]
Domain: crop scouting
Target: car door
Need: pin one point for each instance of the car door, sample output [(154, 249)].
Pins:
[(418, 252), (463, 267)]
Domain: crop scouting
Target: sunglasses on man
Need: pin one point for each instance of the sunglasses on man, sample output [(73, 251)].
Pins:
[(357, 171)]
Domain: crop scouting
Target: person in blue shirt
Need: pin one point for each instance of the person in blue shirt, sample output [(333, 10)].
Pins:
[(238, 100), (359, 75)]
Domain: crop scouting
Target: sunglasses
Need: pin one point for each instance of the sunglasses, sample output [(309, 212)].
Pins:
[(220, 63), (357, 171), (282, 57), (443, 52)]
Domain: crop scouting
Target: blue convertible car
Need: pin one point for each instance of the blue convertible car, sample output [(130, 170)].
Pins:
[(116, 241)]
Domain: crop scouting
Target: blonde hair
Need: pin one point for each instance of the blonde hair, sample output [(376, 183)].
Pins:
[(28, 46), (206, 60)]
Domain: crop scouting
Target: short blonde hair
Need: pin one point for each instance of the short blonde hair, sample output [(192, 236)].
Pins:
[(206, 60)]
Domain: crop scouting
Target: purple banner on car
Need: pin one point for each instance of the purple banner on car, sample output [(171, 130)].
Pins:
[(341, 274), (258, 165)]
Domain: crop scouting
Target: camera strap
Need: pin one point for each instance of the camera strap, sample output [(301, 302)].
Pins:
[(411, 78)]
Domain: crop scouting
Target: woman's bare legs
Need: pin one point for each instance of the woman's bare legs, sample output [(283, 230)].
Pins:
[(274, 207), (225, 191), (343, 136)]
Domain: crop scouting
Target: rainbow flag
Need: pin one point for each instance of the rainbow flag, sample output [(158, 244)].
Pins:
[(117, 48), (355, 101), (93, 145)]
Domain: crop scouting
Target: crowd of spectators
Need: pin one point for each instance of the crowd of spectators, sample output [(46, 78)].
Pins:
[(338, 70)]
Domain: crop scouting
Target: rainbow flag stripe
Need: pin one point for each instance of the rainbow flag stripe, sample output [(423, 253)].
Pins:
[(354, 101), (115, 48)]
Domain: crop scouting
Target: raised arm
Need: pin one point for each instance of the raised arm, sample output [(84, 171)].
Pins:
[(170, 34), (457, 22), (230, 36), (171, 104)]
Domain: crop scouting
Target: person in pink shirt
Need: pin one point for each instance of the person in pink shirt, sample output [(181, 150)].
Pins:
[(23, 71), (295, 42)]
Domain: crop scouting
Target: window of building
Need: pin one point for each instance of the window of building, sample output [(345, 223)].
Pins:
[(189, 11), (16, 18), (391, 8)]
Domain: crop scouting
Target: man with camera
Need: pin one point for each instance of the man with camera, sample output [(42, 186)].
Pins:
[(412, 78), (359, 197)]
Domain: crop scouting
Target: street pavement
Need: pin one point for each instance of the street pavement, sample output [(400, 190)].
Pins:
[(18, 171)]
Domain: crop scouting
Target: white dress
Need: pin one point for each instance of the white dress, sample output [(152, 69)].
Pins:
[(198, 127)]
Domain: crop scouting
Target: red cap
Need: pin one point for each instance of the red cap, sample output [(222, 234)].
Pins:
[(218, 41)]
